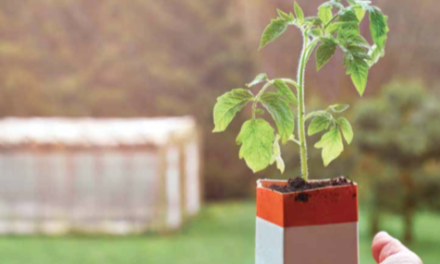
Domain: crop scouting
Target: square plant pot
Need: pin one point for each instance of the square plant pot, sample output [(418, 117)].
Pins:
[(318, 226)]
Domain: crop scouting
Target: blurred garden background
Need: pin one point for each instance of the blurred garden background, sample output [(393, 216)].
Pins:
[(144, 58)]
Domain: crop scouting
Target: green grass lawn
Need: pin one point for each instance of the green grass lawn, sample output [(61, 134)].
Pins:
[(223, 233)]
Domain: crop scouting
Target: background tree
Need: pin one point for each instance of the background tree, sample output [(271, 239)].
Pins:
[(402, 128)]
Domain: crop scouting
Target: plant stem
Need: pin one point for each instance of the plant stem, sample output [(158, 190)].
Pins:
[(296, 141), (302, 109), (331, 20), (289, 81)]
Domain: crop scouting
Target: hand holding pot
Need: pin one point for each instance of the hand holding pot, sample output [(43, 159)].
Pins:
[(388, 250)]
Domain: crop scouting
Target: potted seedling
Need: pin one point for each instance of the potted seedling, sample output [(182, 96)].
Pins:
[(305, 221)]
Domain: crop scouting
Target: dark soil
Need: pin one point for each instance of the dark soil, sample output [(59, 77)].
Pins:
[(299, 184)]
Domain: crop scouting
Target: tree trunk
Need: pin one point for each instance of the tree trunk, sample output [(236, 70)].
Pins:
[(375, 221), (408, 203), (408, 216)]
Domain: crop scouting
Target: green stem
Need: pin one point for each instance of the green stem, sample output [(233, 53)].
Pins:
[(290, 81), (302, 109), (257, 98), (328, 23), (310, 48), (296, 142)]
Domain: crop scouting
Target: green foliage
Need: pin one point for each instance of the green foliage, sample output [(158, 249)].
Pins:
[(358, 68), (281, 114), (325, 13), (348, 16), (299, 13), (339, 108), (319, 123), (273, 31), (315, 113), (285, 91), (360, 12), (349, 27), (276, 156), (262, 77), (256, 138), (315, 32), (325, 52), (327, 31), (406, 107), (228, 105), (259, 111), (285, 17), (331, 144), (346, 129), (378, 27), (375, 54)]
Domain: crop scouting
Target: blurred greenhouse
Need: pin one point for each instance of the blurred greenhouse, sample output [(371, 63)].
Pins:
[(113, 176)]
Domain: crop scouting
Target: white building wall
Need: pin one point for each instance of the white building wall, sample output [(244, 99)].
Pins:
[(192, 178), (173, 188)]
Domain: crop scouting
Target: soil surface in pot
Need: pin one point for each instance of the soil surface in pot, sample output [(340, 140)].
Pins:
[(299, 184)]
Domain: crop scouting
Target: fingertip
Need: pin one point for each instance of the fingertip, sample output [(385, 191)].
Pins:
[(391, 248), (379, 242), (381, 234)]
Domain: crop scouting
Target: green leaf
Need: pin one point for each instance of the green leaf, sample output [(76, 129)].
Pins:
[(280, 164), (319, 123), (346, 129), (273, 31), (262, 77), (228, 105), (286, 17), (316, 32), (350, 26), (313, 21), (375, 54), (378, 27), (339, 108), (360, 12), (256, 138), (281, 114), (347, 31), (276, 156), (358, 52), (325, 52), (333, 27), (331, 144), (354, 49), (259, 111), (325, 13), (315, 113), (276, 146), (285, 91), (299, 12), (348, 16), (358, 69), (348, 57), (359, 41)]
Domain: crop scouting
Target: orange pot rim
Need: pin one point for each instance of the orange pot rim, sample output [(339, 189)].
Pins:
[(321, 206)]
